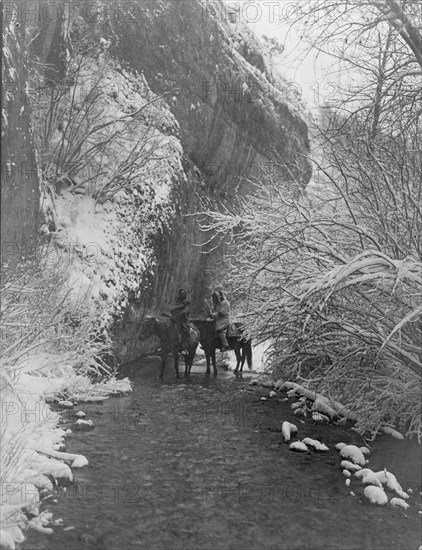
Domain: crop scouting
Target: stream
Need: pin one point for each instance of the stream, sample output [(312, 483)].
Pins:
[(200, 464)]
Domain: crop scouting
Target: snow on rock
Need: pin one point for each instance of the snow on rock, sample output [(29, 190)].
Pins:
[(42, 483), (279, 384), (54, 468), (263, 398), (288, 429), (345, 464), (363, 472), (371, 479), (79, 462), (10, 536), (267, 383), (391, 431), (65, 404), (318, 417), (354, 454), (82, 424), (298, 446), (40, 522), (346, 473), (365, 450), (71, 458), (273, 394), (340, 446), (317, 445), (321, 403), (399, 503), (254, 382), (375, 495), (323, 407), (80, 414), (347, 482), (19, 495), (390, 480)]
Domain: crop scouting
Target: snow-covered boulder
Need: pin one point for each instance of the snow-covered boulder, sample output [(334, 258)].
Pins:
[(371, 479), (288, 429), (346, 464), (317, 445), (375, 495), (391, 431), (82, 424), (390, 480), (267, 383), (65, 404), (298, 446), (360, 474), (354, 454), (319, 417), (399, 503)]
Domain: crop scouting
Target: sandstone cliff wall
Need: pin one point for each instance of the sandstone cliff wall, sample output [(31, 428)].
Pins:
[(222, 119)]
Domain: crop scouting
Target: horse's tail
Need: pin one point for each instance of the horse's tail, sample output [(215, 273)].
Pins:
[(248, 351)]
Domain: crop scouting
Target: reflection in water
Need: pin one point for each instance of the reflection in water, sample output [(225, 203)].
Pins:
[(200, 464)]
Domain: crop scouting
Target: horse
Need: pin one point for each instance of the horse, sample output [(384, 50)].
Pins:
[(210, 341), (170, 341)]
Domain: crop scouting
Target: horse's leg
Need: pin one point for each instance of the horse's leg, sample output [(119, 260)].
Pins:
[(208, 360), (163, 362), (176, 361), (243, 357), (187, 369), (189, 361), (213, 362), (248, 354), (238, 358)]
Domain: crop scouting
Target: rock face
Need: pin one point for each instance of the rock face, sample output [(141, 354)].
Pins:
[(20, 186), (214, 76), (231, 124)]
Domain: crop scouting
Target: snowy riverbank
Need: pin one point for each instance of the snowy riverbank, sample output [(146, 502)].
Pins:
[(32, 457)]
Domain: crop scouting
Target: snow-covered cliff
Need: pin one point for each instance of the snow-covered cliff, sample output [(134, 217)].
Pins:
[(145, 113)]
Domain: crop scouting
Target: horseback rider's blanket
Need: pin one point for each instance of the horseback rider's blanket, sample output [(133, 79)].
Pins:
[(221, 315)]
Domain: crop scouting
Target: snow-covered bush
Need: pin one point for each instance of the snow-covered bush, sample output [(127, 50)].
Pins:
[(39, 314), (334, 288), (93, 126)]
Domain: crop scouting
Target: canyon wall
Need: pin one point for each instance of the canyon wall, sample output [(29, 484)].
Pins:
[(221, 119)]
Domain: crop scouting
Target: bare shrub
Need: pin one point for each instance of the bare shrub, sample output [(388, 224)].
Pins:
[(39, 315), (84, 141), (340, 313)]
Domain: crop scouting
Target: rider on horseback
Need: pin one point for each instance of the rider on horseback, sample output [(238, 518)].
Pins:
[(221, 315), (180, 315)]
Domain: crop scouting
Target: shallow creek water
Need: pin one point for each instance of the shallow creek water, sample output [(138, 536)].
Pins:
[(200, 464)]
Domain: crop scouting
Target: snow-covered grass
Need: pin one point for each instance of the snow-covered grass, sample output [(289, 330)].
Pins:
[(49, 352)]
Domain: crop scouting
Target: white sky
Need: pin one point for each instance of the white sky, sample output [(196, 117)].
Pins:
[(316, 74)]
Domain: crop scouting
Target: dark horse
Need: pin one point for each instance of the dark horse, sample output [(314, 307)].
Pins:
[(210, 342), (169, 337)]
